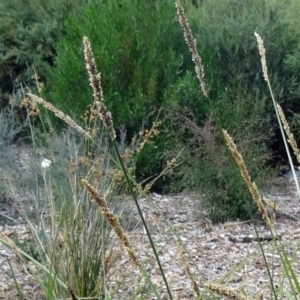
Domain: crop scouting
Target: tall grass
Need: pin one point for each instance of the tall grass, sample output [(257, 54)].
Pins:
[(78, 219)]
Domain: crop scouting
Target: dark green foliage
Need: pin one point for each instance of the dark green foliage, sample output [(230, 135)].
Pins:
[(143, 60), (29, 30), (228, 28), (139, 51), (239, 99), (207, 165)]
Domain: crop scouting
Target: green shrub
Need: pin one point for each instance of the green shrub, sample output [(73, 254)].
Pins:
[(139, 51), (228, 28), (238, 100), (29, 30), (206, 163)]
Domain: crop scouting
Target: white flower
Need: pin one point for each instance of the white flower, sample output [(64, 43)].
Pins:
[(46, 163)]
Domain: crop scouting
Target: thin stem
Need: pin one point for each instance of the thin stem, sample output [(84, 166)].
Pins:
[(143, 219)]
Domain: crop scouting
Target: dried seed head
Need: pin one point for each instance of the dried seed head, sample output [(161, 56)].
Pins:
[(31, 107), (148, 134), (192, 44), (244, 173), (113, 220), (59, 114), (95, 82), (226, 291), (262, 52), (291, 138)]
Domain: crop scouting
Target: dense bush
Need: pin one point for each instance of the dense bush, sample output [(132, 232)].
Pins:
[(139, 51), (206, 164), (227, 27), (29, 31), (142, 58), (238, 99)]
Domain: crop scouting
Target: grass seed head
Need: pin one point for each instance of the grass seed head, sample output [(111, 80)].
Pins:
[(95, 82), (245, 174), (31, 107), (113, 220), (59, 114), (262, 52), (291, 138), (226, 291), (192, 44), (187, 269)]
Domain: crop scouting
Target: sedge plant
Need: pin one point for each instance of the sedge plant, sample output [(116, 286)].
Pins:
[(105, 115)]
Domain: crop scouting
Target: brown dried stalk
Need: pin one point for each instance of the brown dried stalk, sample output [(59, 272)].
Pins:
[(192, 44), (59, 114), (188, 271), (251, 185), (225, 291), (95, 82), (113, 220), (104, 271), (291, 138), (72, 294)]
